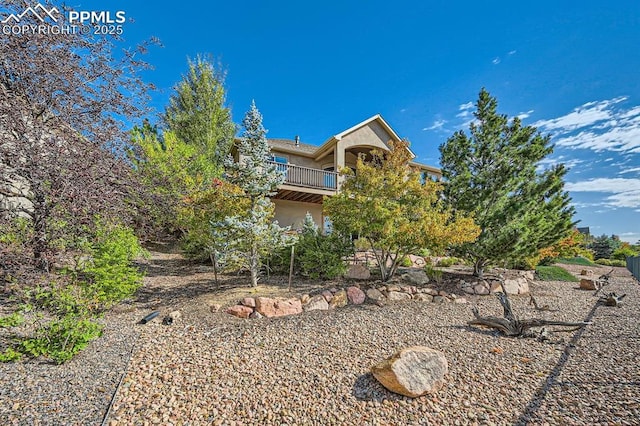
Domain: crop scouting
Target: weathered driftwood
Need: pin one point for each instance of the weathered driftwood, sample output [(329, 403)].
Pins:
[(611, 299), (602, 282), (510, 325), (534, 302)]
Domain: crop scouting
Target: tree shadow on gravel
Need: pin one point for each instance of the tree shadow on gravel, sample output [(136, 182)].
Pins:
[(552, 379), (483, 331)]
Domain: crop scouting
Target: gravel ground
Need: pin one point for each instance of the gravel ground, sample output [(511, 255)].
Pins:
[(314, 368)]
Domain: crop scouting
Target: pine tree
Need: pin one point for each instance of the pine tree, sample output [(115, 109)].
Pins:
[(248, 237), (197, 113), (494, 173)]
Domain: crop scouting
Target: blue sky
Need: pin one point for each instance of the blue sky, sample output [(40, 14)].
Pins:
[(314, 69)]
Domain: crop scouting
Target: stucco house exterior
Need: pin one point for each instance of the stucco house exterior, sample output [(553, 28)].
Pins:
[(311, 171)]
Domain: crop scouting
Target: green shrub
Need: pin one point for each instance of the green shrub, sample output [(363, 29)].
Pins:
[(65, 310), (322, 256), (578, 260), (449, 261), (13, 320), (406, 262), (424, 253), (10, 355), (61, 339), (110, 276), (316, 255), (611, 262), (623, 252), (433, 273), (554, 273)]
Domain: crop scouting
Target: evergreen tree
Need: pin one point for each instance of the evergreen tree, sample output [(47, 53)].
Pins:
[(197, 113), (494, 174), (247, 237)]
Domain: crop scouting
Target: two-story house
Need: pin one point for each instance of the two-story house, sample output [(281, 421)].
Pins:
[(311, 171)]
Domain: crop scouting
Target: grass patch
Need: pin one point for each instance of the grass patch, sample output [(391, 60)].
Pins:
[(554, 273), (575, 261)]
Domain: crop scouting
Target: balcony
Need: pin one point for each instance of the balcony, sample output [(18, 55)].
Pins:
[(307, 177)]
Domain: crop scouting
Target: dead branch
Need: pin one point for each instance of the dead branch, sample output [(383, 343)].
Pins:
[(510, 325), (534, 302), (611, 299)]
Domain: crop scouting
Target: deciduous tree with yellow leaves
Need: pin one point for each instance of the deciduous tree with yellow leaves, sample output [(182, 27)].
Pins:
[(386, 203)]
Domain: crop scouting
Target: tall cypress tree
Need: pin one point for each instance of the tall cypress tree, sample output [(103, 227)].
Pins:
[(494, 174)]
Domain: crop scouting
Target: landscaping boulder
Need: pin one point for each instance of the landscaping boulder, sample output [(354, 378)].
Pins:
[(423, 297), (317, 303), (355, 295), (249, 301), (327, 295), (374, 294), (416, 277), (358, 272), (417, 260), (586, 272), (397, 296), (270, 308), (481, 289), (587, 284), (339, 299), (516, 285), (240, 311), (413, 371)]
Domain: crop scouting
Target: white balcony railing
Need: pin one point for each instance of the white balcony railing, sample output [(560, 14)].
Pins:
[(307, 177)]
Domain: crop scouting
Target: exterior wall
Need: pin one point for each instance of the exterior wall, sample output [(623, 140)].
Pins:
[(292, 213), (371, 135), (297, 160)]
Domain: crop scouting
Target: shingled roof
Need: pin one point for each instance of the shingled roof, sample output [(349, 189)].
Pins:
[(289, 145)]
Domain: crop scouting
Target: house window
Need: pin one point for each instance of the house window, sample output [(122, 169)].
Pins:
[(281, 162)]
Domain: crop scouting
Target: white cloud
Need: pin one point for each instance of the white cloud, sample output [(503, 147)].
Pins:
[(524, 115), (437, 125), (583, 116), (604, 185), (512, 52), (495, 61), (625, 192), (464, 107), (631, 170), (550, 162), (598, 126)]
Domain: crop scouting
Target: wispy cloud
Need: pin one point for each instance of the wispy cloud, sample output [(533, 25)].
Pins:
[(512, 52), (524, 115), (437, 125), (496, 61), (583, 116), (629, 170), (568, 163), (625, 192), (599, 126), (466, 107)]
